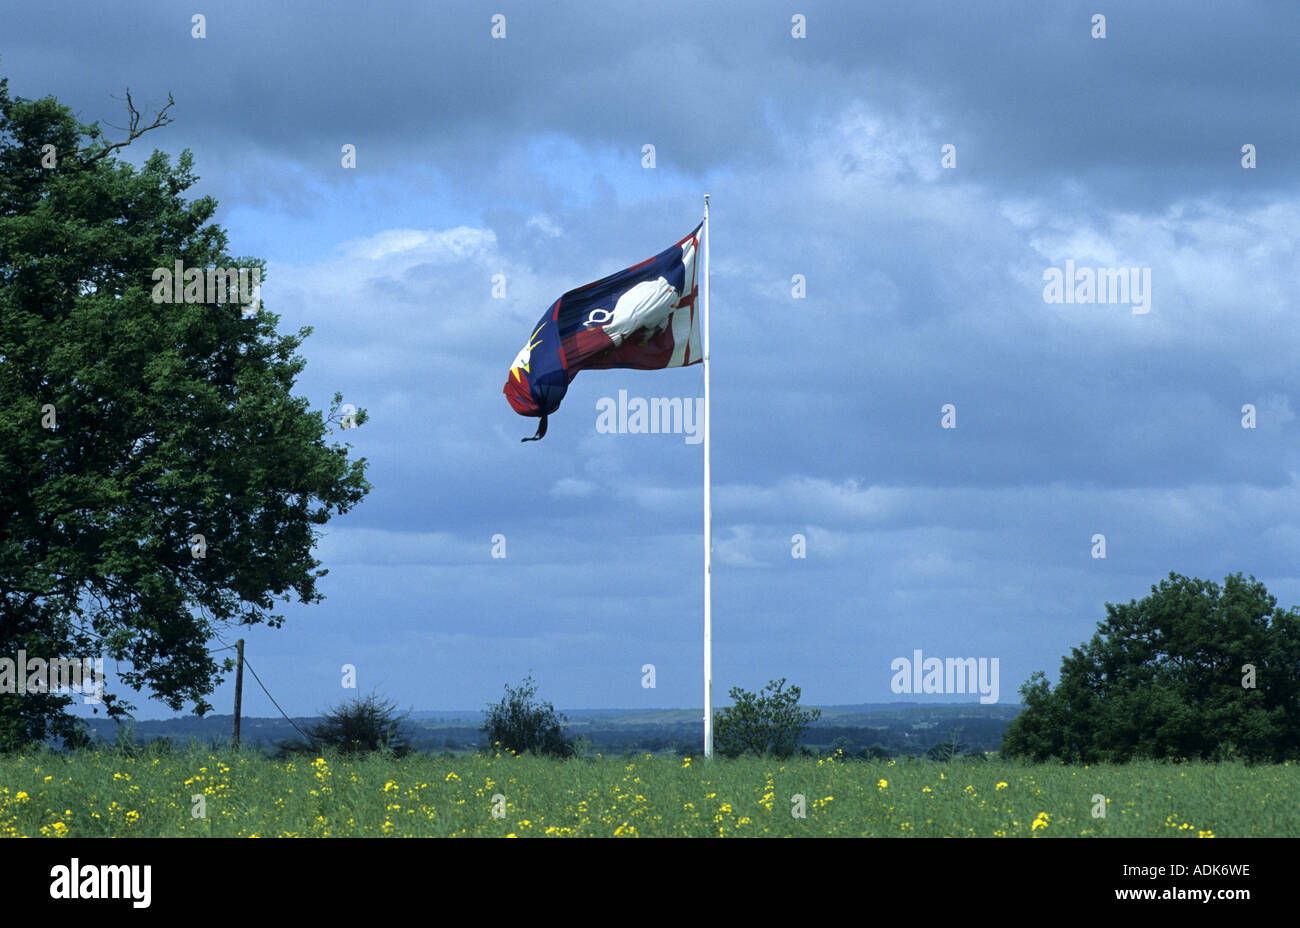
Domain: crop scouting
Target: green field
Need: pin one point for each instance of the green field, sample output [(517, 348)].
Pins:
[(247, 795)]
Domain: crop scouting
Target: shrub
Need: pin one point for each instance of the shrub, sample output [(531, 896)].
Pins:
[(769, 722), (520, 723), (361, 725)]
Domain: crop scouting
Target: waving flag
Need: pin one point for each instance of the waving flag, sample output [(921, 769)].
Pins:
[(643, 318)]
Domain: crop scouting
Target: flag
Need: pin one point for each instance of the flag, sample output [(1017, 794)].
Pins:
[(643, 317)]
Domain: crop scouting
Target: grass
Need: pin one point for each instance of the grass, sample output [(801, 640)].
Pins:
[(201, 792)]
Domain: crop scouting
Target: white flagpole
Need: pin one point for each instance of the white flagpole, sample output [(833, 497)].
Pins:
[(708, 514)]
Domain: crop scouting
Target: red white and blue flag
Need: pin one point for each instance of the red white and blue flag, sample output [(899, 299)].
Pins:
[(644, 317)]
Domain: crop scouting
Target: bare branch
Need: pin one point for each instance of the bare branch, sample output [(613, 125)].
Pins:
[(134, 131)]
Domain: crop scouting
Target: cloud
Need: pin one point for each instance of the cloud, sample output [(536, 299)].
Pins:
[(519, 161), (570, 488)]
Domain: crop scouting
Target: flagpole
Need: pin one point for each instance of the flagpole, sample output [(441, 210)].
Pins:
[(708, 513)]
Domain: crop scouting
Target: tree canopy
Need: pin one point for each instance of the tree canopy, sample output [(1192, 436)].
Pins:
[(158, 480), (1194, 670)]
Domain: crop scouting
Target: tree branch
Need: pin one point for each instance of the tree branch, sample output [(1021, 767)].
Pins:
[(134, 131)]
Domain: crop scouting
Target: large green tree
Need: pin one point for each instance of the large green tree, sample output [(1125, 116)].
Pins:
[(130, 426), (1195, 670)]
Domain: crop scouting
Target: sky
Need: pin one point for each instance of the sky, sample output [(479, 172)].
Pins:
[(864, 278)]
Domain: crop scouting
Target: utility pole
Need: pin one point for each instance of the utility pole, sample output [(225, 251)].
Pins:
[(239, 687)]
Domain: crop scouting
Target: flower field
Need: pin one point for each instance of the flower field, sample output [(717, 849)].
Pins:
[(198, 792)]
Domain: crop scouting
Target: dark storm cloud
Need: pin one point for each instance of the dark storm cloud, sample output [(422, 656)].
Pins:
[(1022, 89)]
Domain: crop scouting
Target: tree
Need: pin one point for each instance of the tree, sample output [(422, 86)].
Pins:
[(947, 750), (769, 722), (519, 723), (1194, 670), (841, 748), (358, 726), (158, 481)]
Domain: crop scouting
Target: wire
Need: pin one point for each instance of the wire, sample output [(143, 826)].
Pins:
[(309, 738)]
